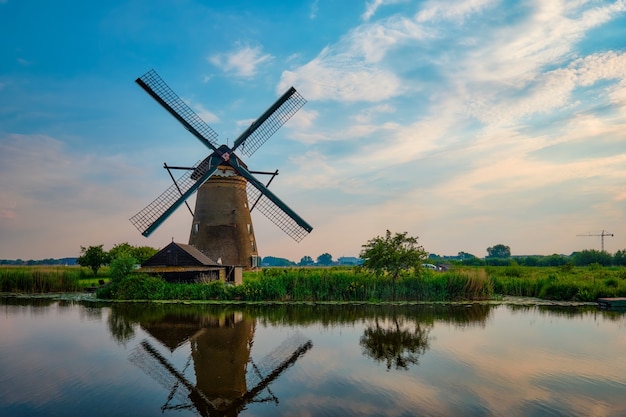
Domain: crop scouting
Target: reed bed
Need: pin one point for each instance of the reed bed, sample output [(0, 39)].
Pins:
[(40, 279), (313, 284), (559, 283)]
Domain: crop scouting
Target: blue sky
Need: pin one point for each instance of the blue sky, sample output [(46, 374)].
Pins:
[(466, 123)]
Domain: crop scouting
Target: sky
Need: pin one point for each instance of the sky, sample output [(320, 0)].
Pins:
[(464, 123)]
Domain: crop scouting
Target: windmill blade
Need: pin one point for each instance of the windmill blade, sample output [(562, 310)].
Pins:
[(272, 207), (162, 370), (275, 363), (163, 94), (269, 122), (151, 217)]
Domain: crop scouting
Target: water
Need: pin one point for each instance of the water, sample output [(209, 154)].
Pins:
[(63, 358)]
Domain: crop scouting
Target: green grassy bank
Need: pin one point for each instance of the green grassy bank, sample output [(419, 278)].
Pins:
[(311, 284), (348, 284), (565, 283), (44, 279)]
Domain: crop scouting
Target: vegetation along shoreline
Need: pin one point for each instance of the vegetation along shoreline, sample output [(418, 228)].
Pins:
[(394, 269)]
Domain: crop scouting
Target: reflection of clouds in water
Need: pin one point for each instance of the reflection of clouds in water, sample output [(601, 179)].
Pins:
[(517, 365), (494, 361)]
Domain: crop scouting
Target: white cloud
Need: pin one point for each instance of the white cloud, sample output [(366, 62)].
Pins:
[(243, 62), (206, 115), (323, 79), (479, 145), (452, 10)]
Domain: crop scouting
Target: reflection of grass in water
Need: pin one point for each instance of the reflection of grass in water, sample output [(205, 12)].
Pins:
[(40, 279)]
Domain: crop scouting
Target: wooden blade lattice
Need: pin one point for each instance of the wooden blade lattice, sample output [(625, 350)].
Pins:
[(268, 126), (162, 93), (275, 214), (155, 210)]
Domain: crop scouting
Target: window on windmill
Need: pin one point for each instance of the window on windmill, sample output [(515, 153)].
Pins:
[(252, 246), (196, 227), (249, 229)]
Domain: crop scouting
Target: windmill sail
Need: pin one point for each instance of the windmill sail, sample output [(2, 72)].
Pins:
[(272, 207), (155, 213), (265, 126), (163, 94), (212, 230)]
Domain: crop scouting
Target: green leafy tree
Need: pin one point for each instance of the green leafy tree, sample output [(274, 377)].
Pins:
[(393, 254), (306, 261), (325, 259), (620, 257), (140, 253), (499, 251), (143, 253), (592, 256), (93, 257), (121, 249)]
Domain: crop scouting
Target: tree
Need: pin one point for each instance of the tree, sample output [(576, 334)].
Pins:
[(306, 261), (143, 253), (325, 259), (620, 257), (499, 251), (92, 257), (274, 261), (393, 254), (592, 256), (140, 253), (120, 249)]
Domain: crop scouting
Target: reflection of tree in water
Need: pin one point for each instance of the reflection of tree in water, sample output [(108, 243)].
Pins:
[(220, 377), (120, 327), (397, 341)]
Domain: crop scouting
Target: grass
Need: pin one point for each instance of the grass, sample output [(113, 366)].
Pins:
[(312, 284), (45, 279), (565, 283), (559, 283)]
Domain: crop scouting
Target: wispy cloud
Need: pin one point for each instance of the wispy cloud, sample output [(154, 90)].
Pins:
[(314, 9), (242, 62)]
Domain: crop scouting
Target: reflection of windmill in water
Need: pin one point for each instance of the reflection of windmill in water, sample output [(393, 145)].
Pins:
[(227, 379), (222, 226)]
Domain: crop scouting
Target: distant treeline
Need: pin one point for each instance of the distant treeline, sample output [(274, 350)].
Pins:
[(583, 258), (48, 261)]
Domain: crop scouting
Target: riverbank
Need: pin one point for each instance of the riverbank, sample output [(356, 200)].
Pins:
[(572, 285)]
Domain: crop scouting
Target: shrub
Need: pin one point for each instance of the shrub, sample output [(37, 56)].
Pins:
[(122, 266)]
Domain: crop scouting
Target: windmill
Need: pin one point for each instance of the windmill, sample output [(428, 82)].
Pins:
[(222, 226), (224, 378)]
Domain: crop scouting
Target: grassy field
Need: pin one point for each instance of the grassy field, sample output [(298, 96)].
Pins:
[(565, 283), (45, 279)]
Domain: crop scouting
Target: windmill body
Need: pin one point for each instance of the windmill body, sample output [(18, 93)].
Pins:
[(222, 224), (227, 190), (227, 378)]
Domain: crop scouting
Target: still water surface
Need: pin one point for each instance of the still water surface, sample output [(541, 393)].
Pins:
[(64, 358)]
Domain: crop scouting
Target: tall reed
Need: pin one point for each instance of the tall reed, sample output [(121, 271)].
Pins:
[(39, 279), (314, 284)]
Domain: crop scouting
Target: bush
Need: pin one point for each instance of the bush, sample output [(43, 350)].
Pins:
[(134, 287), (121, 267)]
